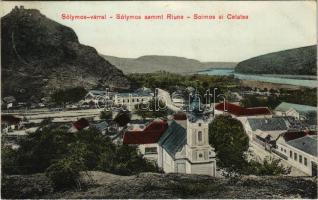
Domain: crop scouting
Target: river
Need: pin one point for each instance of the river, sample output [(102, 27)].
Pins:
[(305, 81)]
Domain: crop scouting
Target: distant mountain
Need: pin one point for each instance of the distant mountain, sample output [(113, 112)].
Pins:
[(40, 55), (154, 63), (299, 61)]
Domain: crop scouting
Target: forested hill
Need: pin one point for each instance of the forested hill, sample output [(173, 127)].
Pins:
[(299, 61), (155, 63)]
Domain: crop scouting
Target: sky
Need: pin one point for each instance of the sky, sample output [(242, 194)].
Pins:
[(272, 26)]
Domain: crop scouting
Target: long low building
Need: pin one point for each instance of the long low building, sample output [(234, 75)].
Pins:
[(239, 111), (300, 152), (130, 100)]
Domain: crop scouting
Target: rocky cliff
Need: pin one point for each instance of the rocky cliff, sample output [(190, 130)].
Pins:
[(40, 55), (299, 61)]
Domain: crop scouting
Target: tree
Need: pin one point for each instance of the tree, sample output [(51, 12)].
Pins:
[(106, 115), (69, 95), (62, 155), (122, 118), (153, 109), (230, 141), (228, 137)]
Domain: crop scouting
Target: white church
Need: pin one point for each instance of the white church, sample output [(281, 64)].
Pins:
[(184, 147)]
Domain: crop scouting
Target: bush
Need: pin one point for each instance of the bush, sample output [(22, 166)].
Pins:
[(125, 160), (65, 173), (269, 167)]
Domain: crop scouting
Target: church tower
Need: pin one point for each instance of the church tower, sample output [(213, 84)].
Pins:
[(200, 155)]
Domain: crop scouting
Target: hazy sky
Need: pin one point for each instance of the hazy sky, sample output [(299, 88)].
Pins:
[(272, 26)]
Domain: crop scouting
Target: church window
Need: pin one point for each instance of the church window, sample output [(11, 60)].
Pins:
[(199, 124), (200, 155), (200, 136)]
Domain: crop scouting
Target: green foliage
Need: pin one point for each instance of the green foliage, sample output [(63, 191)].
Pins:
[(152, 109), (230, 141), (269, 167), (122, 118), (166, 81), (260, 101), (62, 155), (69, 95), (304, 96), (8, 160), (65, 173), (39, 149), (124, 160), (106, 115), (228, 137)]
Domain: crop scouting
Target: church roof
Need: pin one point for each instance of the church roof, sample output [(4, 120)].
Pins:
[(174, 138)]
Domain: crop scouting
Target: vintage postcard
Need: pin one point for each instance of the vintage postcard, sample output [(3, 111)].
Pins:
[(159, 99)]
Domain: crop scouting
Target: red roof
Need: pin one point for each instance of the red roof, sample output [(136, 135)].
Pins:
[(151, 134), (241, 111), (81, 124), (297, 134)]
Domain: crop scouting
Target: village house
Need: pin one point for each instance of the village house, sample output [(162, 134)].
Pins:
[(129, 100), (306, 114), (184, 146), (146, 137), (79, 125), (138, 124), (101, 127), (299, 149)]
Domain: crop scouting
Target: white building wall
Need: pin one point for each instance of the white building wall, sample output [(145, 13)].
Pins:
[(204, 169), (131, 101), (168, 162), (150, 156), (296, 162)]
